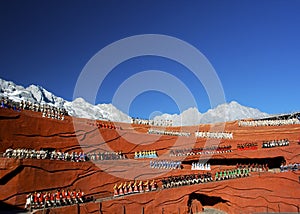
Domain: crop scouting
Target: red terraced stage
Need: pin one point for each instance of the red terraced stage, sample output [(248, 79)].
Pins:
[(271, 191)]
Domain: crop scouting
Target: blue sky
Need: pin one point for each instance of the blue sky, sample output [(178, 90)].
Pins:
[(253, 46)]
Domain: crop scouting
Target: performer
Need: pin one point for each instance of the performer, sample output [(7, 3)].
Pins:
[(116, 190), (52, 198), (58, 197), (125, 188), (216, 176), (153, 185), (120, 188), (73, 196), (130, 190), (135, 187), (141, 187), (29, 199), (68, 194), (40, 196), (64, 196), (147, 187), (47, 199), (79, 196)]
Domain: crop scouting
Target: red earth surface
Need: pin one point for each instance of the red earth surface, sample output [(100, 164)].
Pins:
[(271, 191)]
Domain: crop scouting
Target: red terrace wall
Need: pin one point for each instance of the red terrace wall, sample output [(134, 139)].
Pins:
[(249, 195), (262, 192)]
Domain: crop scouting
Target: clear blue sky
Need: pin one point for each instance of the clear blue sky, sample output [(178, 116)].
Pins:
[(253, 45)]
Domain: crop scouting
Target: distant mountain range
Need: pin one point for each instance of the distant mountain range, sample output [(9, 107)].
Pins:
[(80, 108)]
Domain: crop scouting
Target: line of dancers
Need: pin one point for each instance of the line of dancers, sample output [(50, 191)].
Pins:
[(62, 197), (134, 187)]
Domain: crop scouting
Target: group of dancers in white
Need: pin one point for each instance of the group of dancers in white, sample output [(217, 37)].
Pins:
[(165, 164), (215, 135), (171, 133), (291, 121), (151, 122), (200, 166), (22, 153)]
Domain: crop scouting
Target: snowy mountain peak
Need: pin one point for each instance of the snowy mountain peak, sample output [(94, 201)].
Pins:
[(224, 112), (80, 108), (43, 96)]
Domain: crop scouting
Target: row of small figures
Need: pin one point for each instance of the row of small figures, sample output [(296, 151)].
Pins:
[(165, 164), (290, 167), (54, 115), (106, 156), (145, 154), (275, 143), (206, 151), (184, 180), (40, 107), (229, 174), (290, 121), (25, 153), (131, 188), (44, 154), (215, 135), (59, 198), (200, 166)]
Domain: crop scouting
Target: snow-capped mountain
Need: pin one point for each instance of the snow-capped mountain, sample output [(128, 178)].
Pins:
[(33, 93), (224, 112), (80, 108), (231, 111), (77, 108)]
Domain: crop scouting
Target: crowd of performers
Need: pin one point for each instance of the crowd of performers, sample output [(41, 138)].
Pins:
[(203, 150), (255, 167), (182, 180), (39, 200), (48, 111), (200, 166), (215, 135), (151, 122), (162, 122), (59, 155), (283, 122), (247, 146), (170, 133), (44, 154), (142, 121), (52, 112), (165, 164), (275, 143), (240, 171), (10, 104), (134, 187), (98, 156), (289, 167), (145, 154), (104, 125), (232, 173)]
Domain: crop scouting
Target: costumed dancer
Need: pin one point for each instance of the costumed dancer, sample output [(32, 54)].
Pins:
[(135, 187), (141, 187), (125, 188), (120, 188), (116, 190), (153, 185), (147, 186), (130, 190)]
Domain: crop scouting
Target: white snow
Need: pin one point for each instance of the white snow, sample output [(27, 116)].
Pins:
[(224, 112), (80, 108)]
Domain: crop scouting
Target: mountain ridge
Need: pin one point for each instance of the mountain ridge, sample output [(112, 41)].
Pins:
[(82, 109)]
